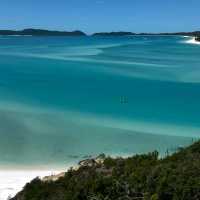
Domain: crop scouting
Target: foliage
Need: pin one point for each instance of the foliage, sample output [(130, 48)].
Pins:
[(176, 177)]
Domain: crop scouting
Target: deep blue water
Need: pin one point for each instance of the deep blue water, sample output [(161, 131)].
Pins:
[(64, 98)]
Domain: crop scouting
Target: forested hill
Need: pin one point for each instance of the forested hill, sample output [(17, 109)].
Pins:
[(176, 177), (40, 32)]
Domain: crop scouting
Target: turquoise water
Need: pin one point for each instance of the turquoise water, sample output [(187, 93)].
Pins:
[(63, 99)]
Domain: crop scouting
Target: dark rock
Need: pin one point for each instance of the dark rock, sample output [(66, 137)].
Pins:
[(197, 38)]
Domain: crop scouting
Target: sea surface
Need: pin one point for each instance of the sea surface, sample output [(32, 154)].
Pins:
[(63, 99)]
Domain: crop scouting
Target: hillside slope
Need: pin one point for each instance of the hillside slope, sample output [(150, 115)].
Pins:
[(176, 177)]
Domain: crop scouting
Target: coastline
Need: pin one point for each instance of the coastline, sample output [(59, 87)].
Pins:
[(13, 181), (148, 171), (14, 178), (191, 40)]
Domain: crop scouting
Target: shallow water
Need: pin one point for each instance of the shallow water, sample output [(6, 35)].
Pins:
[(63, 99)]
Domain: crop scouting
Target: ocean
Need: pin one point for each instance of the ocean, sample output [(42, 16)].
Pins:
[(63, 99)]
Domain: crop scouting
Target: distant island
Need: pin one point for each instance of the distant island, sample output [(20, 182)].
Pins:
[(146, 177), (43, 32), (40, 32), (121, 33)]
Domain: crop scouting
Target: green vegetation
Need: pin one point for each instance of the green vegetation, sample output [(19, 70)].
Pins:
[(176, 177)]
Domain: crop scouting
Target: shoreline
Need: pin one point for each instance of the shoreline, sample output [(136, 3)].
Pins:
[(147, 172), (39, 167), (13, 181), (191, 40), (14, 178)]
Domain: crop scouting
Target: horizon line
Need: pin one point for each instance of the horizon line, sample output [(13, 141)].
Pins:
[(92, 33)]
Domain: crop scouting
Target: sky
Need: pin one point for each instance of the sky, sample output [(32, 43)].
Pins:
[(101, 15)]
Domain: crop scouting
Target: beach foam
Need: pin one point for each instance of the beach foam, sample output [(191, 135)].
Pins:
[(13, 181), (192, 41)]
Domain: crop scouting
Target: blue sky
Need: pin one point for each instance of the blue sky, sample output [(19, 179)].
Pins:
[(102, 15)]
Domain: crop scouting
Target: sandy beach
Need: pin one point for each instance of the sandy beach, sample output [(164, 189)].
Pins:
[(13, 181)]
